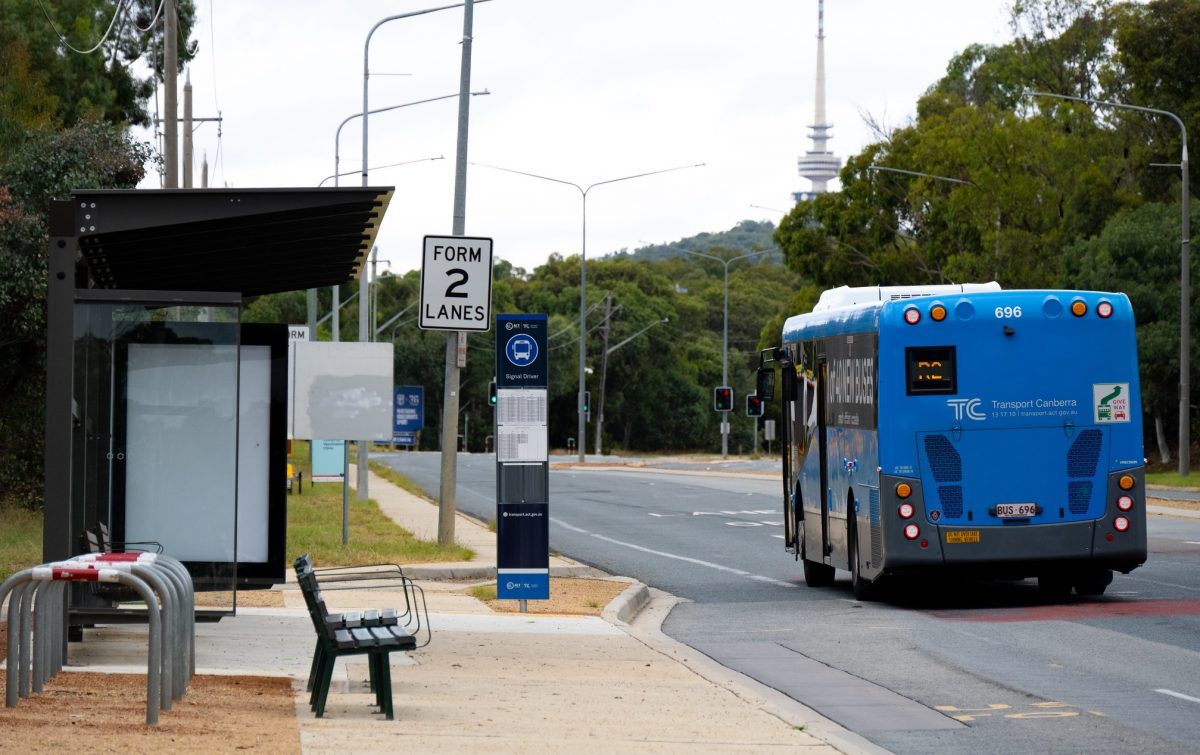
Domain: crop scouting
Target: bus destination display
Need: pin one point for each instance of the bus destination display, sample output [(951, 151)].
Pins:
[(931, 370)]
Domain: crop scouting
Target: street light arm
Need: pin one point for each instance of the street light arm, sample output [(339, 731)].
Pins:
[(381, 167), (726, 262), (947, 179), (349, 299), (532, 175), (641, 175), (394, 318), (1124, 106), (635, 335)]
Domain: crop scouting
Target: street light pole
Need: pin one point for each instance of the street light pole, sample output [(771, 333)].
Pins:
[(583, 192), (725, 339), (1185, 275)]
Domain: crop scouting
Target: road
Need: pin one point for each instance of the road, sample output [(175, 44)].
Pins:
[(964, 666)]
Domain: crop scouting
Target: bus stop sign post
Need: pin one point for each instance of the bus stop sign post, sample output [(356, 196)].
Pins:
[(522, 459)]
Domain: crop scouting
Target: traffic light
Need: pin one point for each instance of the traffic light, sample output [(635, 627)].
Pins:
[(492, 393), (723, 398), (587, 404), (754, 405)]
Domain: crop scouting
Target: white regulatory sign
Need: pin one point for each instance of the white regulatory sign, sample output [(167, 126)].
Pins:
[(456, 283)]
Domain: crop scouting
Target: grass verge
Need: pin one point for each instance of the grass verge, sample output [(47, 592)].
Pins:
[(20, 540), (315, 528), (1173, 479)]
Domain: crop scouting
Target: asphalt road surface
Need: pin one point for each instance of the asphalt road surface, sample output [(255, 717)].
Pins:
[(948, 667)]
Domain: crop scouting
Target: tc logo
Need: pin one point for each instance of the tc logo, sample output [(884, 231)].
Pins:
[(968, 406)]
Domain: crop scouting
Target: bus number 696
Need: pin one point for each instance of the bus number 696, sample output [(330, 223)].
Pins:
[(1006, 312)]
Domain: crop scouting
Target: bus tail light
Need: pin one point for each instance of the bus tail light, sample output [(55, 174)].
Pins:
[(905, 511), (1104, 309), (1120, 524), (1079, 308), (912, 315), (912, 531), (1125, 503)]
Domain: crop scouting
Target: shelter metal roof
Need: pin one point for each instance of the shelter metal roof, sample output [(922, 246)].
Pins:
[(253, 241)]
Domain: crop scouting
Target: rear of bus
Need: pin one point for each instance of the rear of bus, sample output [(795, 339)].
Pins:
[(1010, 436)]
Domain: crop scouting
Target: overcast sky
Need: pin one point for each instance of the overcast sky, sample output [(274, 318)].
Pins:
[(581, 90)]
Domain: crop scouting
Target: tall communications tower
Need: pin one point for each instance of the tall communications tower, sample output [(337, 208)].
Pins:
[(818, 165)]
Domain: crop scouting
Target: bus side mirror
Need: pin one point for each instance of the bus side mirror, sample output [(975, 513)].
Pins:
[(765, 387)]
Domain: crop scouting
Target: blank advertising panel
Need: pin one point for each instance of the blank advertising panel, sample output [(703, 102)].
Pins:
[(343, 390)]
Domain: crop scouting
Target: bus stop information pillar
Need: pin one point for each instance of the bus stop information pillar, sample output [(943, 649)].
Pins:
[(522, 459)]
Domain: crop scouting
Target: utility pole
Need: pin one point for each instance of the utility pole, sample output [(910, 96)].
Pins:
[(603, 370), (170, 96), (187, 131), (447, 501)]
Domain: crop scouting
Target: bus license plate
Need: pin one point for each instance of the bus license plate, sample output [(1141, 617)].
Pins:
[(1016, 510)]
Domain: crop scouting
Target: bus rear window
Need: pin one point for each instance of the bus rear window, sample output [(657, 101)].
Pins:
[(931, 370)]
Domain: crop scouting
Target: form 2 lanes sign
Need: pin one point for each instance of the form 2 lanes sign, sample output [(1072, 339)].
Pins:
[(456, 283)]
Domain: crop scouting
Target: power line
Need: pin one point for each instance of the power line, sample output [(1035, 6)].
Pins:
[(112, 24)]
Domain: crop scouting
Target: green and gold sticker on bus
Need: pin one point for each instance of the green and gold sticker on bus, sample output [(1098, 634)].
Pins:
[(962, 536)]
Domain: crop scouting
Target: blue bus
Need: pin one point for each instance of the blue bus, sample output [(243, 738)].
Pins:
[(962, 429)]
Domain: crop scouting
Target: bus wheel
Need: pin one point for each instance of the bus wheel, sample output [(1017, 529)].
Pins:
[(1093, 581), (816, 574), (1055, 586)]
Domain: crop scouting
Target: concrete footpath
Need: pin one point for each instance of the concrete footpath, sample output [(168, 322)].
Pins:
[(502, 683)]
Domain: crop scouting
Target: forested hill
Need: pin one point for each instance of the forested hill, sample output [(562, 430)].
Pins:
[(746, 236)]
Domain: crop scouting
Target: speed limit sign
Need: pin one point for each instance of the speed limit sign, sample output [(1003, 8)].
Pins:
[(456, 283)]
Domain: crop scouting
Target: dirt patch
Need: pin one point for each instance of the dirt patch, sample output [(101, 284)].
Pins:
[(568, 596), (89, 712), (1172, 503), (245, 599)]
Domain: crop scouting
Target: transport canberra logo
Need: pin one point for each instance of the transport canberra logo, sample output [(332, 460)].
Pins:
[(966, 406), (1110, 402)]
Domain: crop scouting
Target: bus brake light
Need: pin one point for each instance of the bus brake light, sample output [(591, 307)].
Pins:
[(905, 511), (1104, 309), (912, 316), (1120, 524), (1125, 503), (912, 531)]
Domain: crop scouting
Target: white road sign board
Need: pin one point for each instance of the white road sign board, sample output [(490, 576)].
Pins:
[(456, 283)]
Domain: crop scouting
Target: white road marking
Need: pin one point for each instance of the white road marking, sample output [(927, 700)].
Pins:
[(687, 559), (1191, 542), (1180, 695)]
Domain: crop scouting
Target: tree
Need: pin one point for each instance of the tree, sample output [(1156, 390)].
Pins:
[(101, 85), (50, 164)]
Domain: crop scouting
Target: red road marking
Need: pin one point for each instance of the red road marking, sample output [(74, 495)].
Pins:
[(1074, 611)]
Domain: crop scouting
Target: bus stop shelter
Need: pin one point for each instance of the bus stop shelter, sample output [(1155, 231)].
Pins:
[(165, 414)]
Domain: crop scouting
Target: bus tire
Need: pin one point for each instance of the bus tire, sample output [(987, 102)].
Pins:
[(816, 574), (1092, 582)]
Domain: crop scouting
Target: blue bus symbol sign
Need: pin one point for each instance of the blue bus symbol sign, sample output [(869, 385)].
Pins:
[(521, 350)]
